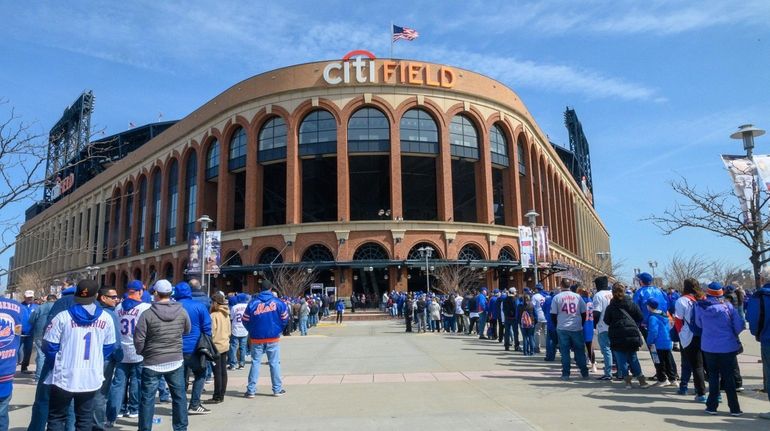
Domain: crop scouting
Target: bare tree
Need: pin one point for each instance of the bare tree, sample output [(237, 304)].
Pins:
[(718, 213), (35, 282), (291, 281), (454, 278), (681, 267), (727, 273)]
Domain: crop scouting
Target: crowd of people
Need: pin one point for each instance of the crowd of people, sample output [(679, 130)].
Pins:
[(701, 322), (101, 356)]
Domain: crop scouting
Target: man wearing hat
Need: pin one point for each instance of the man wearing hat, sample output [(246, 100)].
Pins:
[(25, 352), (538, 299), (601, 301), (645, 292), (77, 341), (481, 304)]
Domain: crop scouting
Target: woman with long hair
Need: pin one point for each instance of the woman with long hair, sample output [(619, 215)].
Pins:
[(623, 317), (690, 338)]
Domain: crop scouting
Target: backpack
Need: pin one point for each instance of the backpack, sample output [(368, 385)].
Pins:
[(526, 320), (695, 329)]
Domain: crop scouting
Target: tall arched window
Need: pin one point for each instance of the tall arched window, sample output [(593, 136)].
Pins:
[(127, 245), (464, 142), (115, 231), (155, 235), (499, 148), (419, 137), (318, 133), (368, 131), (272, 140), (212, 161), (463, 137), (142, 213), (522, 158), (172, 199), (191, 193), (498, 145), (237, 156)]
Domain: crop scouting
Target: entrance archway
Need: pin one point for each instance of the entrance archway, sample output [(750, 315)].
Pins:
[(416, 280), (370, 281)]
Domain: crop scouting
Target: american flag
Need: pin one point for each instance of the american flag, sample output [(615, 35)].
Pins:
[(405, 33)]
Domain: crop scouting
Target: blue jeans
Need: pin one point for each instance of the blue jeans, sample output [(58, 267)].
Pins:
[(303, 325), (604, 346), (572, 340), (39, 358), (626, 359), (529, 340), (102, 395), (192, 363), (482, 324), (237, 344), (765, 349), (273, 352), (551, 342), (4, 421), (125, 375), (150, 381)]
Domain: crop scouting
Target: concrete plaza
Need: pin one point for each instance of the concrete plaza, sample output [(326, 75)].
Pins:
[(372, 375)]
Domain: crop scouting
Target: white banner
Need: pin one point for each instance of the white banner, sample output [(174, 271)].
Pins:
[(525, 247), (762, 162), (742, 172), (543, 246)]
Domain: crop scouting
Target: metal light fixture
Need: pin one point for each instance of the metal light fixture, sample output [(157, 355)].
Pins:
[(747, 132), (532, 218), (426, 252)]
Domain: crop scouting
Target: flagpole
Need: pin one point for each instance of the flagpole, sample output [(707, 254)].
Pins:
[(391, 39)]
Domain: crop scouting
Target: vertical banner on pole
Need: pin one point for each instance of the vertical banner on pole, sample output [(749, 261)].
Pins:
[(742, 172), (194, 252), (762, 162), (543, 246), (213, 251), (525, 247)]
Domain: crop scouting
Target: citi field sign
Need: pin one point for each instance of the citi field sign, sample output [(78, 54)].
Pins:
[(359, 67)]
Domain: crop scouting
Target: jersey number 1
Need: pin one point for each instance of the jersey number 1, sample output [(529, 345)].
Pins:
[(87, 353)]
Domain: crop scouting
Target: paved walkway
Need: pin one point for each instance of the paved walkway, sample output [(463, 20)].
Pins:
[(371, 375)]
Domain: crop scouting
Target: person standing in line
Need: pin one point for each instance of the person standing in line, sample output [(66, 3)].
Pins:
[(39, 321), (690, 339), (528, 321), (588, 327), (481, 307), (159, 339), (27, 339), (108, 298), (408, 312), (538, 299), (472, 312), (568, 311), (493, 314), (128, 372), (659, 342), (622, 317), (434, 310), (239, 337), (10, 338), (340, 309), (601, 300), (552, 338), (420, 308), (265, 318), (200, 323), (508, 315), (720, 342), (303, 314), (758, 314), (645, 292), (77, 341), (220, 336)]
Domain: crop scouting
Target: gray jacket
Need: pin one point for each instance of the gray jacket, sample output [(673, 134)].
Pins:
[(39, 319), (159, 331)]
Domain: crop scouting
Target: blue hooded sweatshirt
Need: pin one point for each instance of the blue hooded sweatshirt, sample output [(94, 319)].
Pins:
[(481, 301), (659, 331), (200, 319), (265, 317), (721, 325), (650, 292), (755, 312)]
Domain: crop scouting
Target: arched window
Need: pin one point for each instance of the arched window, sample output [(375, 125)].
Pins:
[(370, 251), (270, 256), (506, 255), (169, 273), (419, 133), (155, 235), (172, 198), (212, 161), (317, 253), (191, 193), (415, 254), (522, 158), (233, 259), (142, 213), (127, 245), (115, 231), (237, 156), (368, 131), (272, 140), (470, 252), (463, 137), (498, 145), (318, 134)]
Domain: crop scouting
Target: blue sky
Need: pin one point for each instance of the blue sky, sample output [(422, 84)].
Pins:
[(658, 85)]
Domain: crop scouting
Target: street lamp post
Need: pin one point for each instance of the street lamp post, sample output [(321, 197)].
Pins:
[(747, 133), (653, 264), (532, 218), (426, 252), (204, 221), (637, 271)]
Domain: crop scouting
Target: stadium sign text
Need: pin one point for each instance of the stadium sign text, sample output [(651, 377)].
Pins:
[(359, 67)]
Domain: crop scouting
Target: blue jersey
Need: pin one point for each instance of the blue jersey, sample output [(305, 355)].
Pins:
[(10, 330)]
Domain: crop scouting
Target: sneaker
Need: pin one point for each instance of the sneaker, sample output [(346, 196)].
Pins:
[(200, 410), (230, 367), (241, 366), (710, 412), (736, 414), (672, 383), (606, 378), (701, 399), (249, 396), (280, 393), (681, 391), (209, 381), (131, 415), (764, 415), (109, 424), (213, 401), (740, 389), (564, 378)]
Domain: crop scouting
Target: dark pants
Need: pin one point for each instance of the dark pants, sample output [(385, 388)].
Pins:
[(339, 317), (516, 345), (694, 357), (59, 408), (666, 369), (150, 381), (220, 377), (192, 365), (408, 319), (722, 365), (27, 345), (508, 334), (551, 343), (500, 330), (474, 321)]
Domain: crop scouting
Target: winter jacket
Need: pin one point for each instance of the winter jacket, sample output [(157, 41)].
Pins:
[(448, 307), (435, 310), (220, 327), (265, 318), (117, 353), (650, 292), (159, 332), (481, 302), (624, 332), (721, 325), (550, 324), (304, 310), (494, 308), (39, 319), (201, 297), (340, 306), (759, 316), (10, 344), (509, 309), (26, 324), (200, 319), (659, 331)]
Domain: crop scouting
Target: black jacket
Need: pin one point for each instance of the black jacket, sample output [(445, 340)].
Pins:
[(623, 332), (509, 308)]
